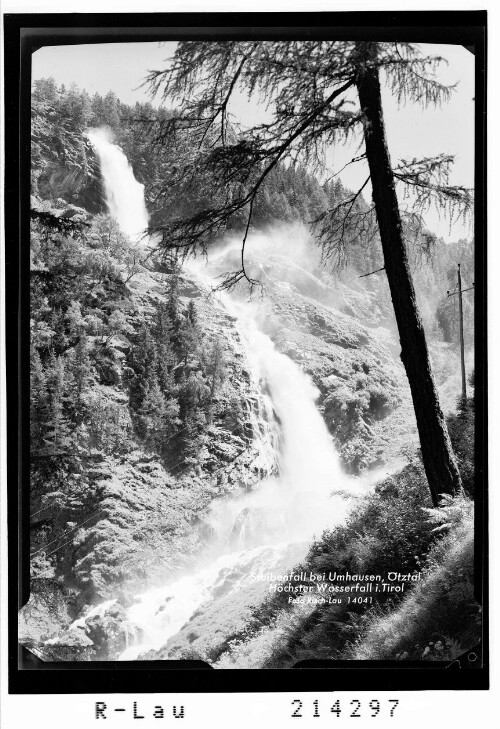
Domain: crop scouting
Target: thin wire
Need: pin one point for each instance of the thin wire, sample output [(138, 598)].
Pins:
[(58, 548), (66, 532), (165, 441), (39, 510), (102, 512), (172, 473)]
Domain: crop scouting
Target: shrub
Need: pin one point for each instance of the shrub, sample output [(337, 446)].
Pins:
[(389, 531), (393, 529), (439, 618)]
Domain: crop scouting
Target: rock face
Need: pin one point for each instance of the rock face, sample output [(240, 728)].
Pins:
[(44, 621), (76, 180), (72, 645), (358, 381), (239, 447), (99, 637), (51, 606)]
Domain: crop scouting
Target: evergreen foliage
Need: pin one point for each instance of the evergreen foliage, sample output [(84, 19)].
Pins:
[(105, 377), (289, 193), (78, 309)]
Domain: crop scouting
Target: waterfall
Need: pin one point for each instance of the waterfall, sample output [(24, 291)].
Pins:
[(297, 504), (270, 527), (124, 194)]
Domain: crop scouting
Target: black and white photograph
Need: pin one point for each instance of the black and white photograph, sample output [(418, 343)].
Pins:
[(256, 374)]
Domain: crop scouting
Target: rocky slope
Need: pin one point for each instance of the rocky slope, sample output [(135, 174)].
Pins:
[(122, 518), (363, 392), (143, 521), (342, 332)]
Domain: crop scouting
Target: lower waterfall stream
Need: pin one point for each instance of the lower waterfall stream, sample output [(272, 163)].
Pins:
[(270, 528)]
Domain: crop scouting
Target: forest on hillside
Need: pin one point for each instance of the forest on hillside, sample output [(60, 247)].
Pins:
[(146, 414), (60, 118)]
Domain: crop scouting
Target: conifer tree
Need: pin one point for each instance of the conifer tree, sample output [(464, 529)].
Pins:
[(38, 401), (151, 415), (58, 434), (80, 371), (310, 87), (215, 369), (111, 110), (189, 338), (142, 360), (173, 306), (192, 397), (165, 352)]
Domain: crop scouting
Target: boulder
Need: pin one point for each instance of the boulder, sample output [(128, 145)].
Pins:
[(111, 633), (71, 645)]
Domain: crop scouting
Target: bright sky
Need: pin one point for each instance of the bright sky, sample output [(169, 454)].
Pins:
[(411, 132)]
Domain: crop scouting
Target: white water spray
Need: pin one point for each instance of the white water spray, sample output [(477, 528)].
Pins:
[(298, 504), (124, 194)]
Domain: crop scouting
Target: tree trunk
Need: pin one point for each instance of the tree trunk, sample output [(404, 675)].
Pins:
[(437, 454)]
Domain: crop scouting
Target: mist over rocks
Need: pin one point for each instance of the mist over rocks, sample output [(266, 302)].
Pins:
[(363, 391)]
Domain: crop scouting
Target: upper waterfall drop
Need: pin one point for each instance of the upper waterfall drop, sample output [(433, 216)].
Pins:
[(124, 194)]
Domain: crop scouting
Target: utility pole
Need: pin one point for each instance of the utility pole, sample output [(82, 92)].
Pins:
[(461, 315), (462, 347)]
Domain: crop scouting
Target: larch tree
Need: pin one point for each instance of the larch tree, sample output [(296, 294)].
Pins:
[(319, 94)]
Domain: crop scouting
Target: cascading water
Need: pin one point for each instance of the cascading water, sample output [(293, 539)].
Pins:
[(297, 503), (124, 194), (272, 526)]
